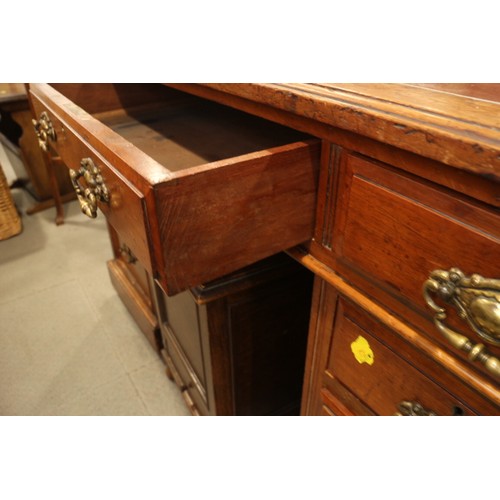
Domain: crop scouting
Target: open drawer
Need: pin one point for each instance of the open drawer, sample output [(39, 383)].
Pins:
[(197, 189)]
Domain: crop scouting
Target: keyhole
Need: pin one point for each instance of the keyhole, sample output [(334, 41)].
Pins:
[(457, 411)]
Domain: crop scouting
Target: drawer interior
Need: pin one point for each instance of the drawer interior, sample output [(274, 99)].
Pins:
[(177, 130), (198, 189)]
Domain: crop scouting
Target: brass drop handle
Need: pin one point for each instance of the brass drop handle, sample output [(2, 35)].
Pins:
[(95, 188), (44, 130), (477, 301), (413, 409)]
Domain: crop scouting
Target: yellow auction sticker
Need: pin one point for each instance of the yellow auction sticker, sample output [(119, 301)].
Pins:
[(362, 351)]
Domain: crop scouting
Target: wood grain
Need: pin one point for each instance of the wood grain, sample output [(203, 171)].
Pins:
[(409, 183), (391, 231), (203, 220), (458, 368), (256, 205), (126, 210), (455, 130), (139, 169), (396, 375), (487, 92)]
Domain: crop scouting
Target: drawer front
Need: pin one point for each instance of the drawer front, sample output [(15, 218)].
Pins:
[(220, 219), (389, 231), (135, 287), (359, 366), (191, 223), (377, 374), (333, 406), (125, 210)]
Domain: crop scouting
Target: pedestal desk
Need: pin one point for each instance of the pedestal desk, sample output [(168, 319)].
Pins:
[(388, 194)]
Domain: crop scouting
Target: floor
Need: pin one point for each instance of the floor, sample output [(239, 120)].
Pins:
[(67, 344)]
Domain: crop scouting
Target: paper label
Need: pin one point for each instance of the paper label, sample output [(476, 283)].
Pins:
[(362, 351)]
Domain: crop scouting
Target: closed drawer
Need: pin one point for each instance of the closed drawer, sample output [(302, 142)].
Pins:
[(390, 230), (368, 370), (197, 190), (134, 286)]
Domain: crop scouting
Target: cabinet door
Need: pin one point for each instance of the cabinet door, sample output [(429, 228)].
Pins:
[(236, 346), (259, 336)]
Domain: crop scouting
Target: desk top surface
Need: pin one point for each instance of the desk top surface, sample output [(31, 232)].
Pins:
[(485, 91), (456, 124)]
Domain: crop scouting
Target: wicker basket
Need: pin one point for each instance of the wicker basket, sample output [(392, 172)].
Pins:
[(10, 222)]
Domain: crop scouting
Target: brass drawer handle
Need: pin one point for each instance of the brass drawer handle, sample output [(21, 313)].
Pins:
[(413, 409), (95, 190), (477, 301), (44, 130)]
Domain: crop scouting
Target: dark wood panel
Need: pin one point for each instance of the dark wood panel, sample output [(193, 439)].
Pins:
[(239, 345), (184, 324), (267, 331)]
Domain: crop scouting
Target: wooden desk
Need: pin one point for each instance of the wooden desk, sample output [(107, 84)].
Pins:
[(388, 193), (408, 185)]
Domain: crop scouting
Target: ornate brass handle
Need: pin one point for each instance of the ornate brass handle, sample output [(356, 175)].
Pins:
[(44, 130), (477, 300), (413, 409), (95, 190)]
